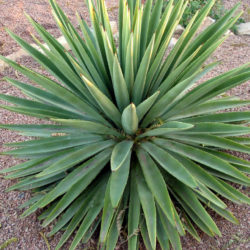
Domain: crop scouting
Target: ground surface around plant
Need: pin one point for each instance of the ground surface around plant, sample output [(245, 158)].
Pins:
[(234, 52)]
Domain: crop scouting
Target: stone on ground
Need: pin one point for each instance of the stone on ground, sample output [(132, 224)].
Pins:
[(243, 29)]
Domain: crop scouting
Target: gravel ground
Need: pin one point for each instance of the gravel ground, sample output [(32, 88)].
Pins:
[(234, 52)]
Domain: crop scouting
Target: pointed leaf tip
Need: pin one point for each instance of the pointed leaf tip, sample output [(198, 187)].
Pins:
[(120, 154)]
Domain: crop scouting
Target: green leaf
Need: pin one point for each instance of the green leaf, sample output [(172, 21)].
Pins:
[(120, 27), (120, 154), (72, 194), (162, 236), (194, 216), (75, 221), (212, 29), (120, 86), (79, 48), (169, 163), (170, 63), (171, 18), (50, 41), (145, 26), (40, 130), (92, 229), (119, 178), (227, 177), (30, 210), (156, 184), (145, 106), (200, 58), (210, 89), (228, 157), (89, 218), (221, 117), (190, 199), (217, 128), (69, 214), (32, 182), (198, 21), (212, 140), (241, 140), (243, 198), (154, 19), (136, 38), (145, 235), (148, 206), (64, 75), (88, 126), (91, 44), (53, 139), (202, 157), (237, 79), (31, 201), (179, 225), (106, 23), (220, 32), (204, 177), (190, 228), (108, 215), (92, 197), (47, 97), (40, 112), (130, 119), (115, 228), (133, 213), (174, 78), (104, 102), (56, 89), (25, 165), (46, 212), (140, 79), (53, 146), (167, 128), (159, 35), (174, 94), (206, 108), (46, 110), (77, 156), (109, 52), (210, 196), (223, 212), (125, 35), (137, 105), (129, 66), (171, 232), (94, 164), (36, 166)]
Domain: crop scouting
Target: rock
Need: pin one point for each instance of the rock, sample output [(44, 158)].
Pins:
[(172, 43), (20, 53), (14, 56), (179, 30), (114, 27), (63, 42), (243, 29), (207, 22)]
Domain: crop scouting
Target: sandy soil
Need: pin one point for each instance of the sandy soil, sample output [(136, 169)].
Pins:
[(234, 52)]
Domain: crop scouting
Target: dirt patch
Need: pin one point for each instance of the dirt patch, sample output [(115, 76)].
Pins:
[(232, 54)]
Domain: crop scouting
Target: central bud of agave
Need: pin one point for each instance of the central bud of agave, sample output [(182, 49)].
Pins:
[(130, 120), (132, 115)]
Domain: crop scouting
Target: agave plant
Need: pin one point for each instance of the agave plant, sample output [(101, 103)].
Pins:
[(133, 143)]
